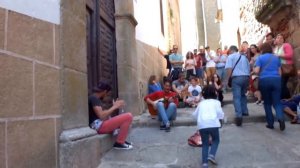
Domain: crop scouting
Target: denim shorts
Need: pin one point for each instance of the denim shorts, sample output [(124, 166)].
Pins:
[(199, 72)]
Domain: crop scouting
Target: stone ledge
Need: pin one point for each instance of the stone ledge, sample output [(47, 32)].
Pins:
[(128, 16), (76, 134), (85, 152)]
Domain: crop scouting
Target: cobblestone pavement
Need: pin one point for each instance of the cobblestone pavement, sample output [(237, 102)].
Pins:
[(249, 146)]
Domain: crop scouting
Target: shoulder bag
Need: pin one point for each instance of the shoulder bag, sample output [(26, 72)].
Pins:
[(256, 80), (230, 77)]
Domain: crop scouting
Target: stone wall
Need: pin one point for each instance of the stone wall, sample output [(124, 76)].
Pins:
[(212, 29), (280, 16), (250, 29), (283, 18), (30, 90), (150, 62)]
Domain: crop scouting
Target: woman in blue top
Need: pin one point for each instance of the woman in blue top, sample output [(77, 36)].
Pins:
[(153, 85), (268, 67)]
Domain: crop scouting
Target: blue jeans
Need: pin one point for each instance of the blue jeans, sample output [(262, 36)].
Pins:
[(270, 89), (175, 73), (205, 133), (222, 74), (239, 89), (168, 114), (199, 73)]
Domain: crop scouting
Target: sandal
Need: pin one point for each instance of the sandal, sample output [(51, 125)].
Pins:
[(294, 120)]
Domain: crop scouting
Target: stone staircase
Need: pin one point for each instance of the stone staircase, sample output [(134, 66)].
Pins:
[(184, 118)]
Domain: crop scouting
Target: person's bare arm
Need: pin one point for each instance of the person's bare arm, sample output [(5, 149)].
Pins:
[(256, 70), (103, 114), (149, 101)]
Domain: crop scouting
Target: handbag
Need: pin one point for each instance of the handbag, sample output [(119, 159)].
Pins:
[(288, 70), (195, 140), (230, 77)]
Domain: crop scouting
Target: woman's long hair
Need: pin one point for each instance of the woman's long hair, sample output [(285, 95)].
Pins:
[(151, 79)]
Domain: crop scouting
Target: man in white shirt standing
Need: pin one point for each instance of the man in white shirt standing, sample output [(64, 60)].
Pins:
[(210, 65)]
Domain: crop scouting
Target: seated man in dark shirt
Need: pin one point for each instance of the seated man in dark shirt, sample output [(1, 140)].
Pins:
[(100, 120), (290, 108)]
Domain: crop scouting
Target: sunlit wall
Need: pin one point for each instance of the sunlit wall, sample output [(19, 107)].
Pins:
[(189, 31), (148, 30), (230, 24)]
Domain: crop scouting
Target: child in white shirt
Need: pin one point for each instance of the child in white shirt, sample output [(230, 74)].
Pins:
[(209, 113), (194, 93)]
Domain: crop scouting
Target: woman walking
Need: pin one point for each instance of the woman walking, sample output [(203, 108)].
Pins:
[(268, 68)]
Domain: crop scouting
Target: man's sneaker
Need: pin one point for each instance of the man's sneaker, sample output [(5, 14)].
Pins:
[(204, 165), (245, 114), (270, 126), (128, 143), (238, 121), (212, 160), (122, 146), (281, 125), (168, 127), (162, 126)]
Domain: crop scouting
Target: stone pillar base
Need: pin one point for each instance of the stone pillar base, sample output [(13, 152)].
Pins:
[(83, 147)]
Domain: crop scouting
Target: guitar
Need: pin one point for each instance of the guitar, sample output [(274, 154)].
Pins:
[(151, 109)]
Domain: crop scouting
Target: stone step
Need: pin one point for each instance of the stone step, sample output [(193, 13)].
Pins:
[(184, 115)]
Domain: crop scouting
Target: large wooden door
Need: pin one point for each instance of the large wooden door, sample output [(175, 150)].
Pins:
[(101, 43)]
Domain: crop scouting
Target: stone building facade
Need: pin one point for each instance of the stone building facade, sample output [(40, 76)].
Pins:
[(208, 29), (250, 29), (30, 85), (282, 16), (276, 16), (45, 73)]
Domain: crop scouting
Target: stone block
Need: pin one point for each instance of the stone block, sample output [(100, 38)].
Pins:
[(2, 27), (58, 130), (127, 79), (124, 6), (16, 87), (30, 37), (125, 56), (2, 144), (31, 144), (75, 94), (297, 57), (124, 29), (73, 40), (47, 90), (85, 152), (57, 45), (77, 8)]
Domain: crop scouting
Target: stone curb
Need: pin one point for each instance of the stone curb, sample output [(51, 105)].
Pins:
[(191, 122)]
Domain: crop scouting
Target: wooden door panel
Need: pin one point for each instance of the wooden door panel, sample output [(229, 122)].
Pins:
[(101, 43)]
